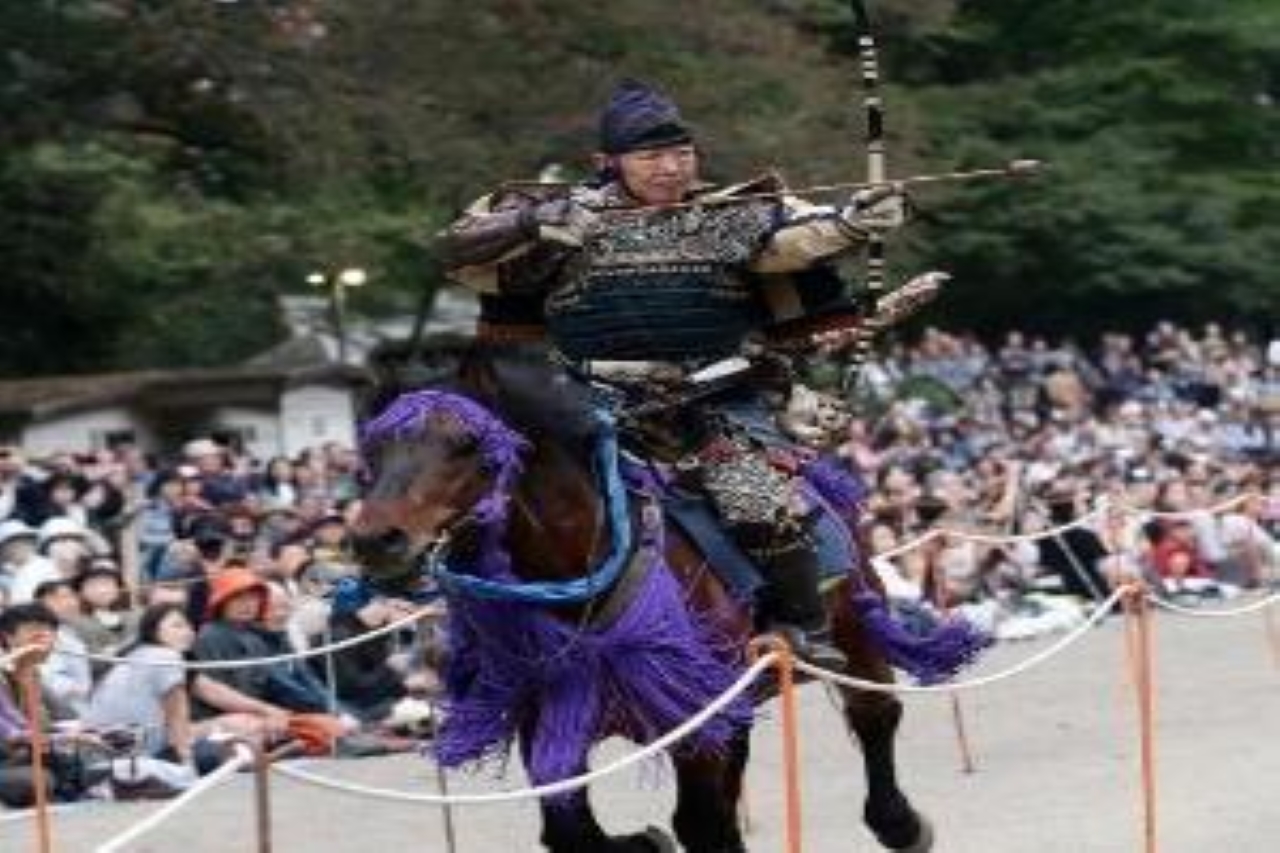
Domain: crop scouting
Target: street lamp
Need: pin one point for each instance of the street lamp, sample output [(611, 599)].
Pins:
[(338, 284)]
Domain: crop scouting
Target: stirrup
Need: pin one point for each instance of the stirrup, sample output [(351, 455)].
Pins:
[(814, 647)]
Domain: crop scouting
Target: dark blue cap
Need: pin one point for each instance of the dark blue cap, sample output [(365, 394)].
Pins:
[(638, 117)]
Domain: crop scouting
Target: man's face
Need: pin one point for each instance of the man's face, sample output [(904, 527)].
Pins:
[(659, 176)]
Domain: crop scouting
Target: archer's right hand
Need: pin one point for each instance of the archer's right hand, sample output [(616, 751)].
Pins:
[(563, 221)]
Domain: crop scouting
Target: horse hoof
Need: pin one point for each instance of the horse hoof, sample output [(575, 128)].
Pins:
[(924, 838), (652, 840)]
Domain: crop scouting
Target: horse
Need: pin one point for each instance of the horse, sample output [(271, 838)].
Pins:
[(496, 480)]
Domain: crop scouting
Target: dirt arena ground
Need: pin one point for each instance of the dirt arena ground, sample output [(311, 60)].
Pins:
[(1056, 751)]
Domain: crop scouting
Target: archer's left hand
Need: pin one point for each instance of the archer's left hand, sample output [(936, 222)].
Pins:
[(877, 209)]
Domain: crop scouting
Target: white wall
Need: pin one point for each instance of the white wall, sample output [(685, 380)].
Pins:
[(259, 427), (314, 414), (80, 431)]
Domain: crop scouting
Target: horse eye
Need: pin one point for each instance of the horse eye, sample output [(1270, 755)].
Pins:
[(464, 445)]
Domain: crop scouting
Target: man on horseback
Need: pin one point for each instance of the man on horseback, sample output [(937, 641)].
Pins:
[(651, 283)]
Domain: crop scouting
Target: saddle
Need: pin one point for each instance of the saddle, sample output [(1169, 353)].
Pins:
[(693, 515)]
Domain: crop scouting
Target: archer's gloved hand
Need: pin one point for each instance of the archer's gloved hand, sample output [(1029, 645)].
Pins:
[(563, 220), (877, 209)]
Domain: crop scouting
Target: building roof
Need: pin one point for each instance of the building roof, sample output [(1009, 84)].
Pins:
[(309, 355), (56, 395)]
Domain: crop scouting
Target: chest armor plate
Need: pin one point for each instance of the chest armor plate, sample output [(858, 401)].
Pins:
[(661, 284)]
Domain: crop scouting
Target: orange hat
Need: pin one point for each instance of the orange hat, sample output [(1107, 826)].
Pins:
[(226, 585)]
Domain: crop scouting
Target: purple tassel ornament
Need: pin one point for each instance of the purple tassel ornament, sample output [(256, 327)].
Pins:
[(515, 671)]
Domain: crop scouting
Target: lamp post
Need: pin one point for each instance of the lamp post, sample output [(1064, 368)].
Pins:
[(338, 284)]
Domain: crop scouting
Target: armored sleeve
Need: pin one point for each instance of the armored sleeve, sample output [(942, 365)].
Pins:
[(490, 234), (806, 235)]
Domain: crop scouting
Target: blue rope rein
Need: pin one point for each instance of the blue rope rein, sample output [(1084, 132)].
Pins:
[(578, 590)]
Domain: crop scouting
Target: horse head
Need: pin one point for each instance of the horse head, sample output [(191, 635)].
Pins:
[(507, 429), (435, 461)]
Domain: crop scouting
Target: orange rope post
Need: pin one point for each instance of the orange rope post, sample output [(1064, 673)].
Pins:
[(1144, 681), (28, 678), (967, 765), (790, 732), (1273, 634), (1130, 605), (940, 600)]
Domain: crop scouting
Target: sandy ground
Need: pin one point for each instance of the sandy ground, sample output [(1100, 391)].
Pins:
[(1056, 754)]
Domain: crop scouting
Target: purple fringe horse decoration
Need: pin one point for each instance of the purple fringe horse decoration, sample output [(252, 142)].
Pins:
[(642, 676)]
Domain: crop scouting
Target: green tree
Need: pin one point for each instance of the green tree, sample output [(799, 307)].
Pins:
[(1159, 123)]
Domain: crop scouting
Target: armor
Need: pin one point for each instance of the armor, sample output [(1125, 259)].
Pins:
[(682, 266)]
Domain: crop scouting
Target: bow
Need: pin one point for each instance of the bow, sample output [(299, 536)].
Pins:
[(876, 149)]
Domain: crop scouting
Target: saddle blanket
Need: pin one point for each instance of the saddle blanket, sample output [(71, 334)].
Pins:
[(837, 552)]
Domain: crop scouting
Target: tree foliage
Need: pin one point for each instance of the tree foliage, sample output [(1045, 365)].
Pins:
[(167, 167), (1159, 124)]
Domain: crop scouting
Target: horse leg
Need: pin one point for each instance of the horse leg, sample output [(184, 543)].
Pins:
[(706, 819), (874, 718), (569, 824)]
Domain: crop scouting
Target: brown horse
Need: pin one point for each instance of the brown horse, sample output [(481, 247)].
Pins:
[(504, 457)]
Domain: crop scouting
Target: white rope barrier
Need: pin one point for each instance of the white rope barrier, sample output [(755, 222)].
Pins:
[(1103, 506), (1216, 612), (880, 561), (989, 538), (564, 786), (1035, 660), (242, 757), (1214, 509), (241, 663)]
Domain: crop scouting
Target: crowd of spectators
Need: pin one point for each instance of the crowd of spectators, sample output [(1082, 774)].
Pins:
[(1028, 435), (212, 560), (219, 557)]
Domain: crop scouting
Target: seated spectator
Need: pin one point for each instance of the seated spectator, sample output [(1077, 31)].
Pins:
[(1076, 556), (66, 676), (366, 682), (20, 492), (22, 626), (1249, 543), (275, 488), (328, 538), (158, 521), (150, 692), (68, 543), (296, 674), (1175, 556), (237, 606), (105, 624), (219, 484), (21, 565)]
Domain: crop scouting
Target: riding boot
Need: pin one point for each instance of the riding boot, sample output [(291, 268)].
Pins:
[(793, 606)]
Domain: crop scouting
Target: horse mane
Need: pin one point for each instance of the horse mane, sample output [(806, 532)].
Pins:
[(518, 383)]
